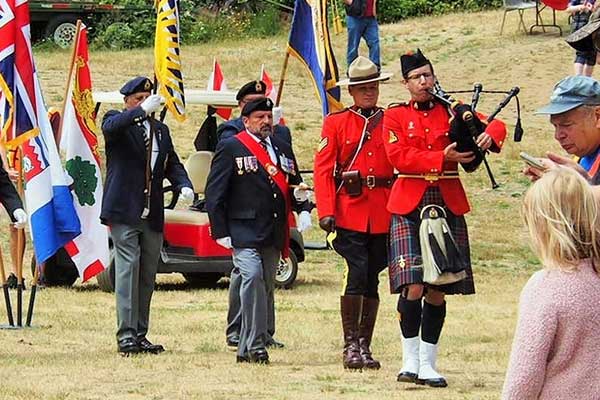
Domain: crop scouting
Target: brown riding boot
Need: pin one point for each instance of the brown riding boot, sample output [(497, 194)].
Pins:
[(351, 311), (367, 324)]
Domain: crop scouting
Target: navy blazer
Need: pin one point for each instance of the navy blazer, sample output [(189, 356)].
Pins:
[(8, 194), (247, 206), (230, 128), (124, 199)]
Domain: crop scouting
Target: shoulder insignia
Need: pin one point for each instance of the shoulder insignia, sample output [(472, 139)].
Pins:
[(400, 104), (322, 144), (393, 137)]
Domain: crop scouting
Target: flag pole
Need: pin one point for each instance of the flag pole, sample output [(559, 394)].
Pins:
[(9, 312), (282, 77), (68, 86), (20, 241), (36, 275)]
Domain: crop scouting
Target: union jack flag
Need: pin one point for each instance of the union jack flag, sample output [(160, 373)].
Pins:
[(17, 74), (25, 123)]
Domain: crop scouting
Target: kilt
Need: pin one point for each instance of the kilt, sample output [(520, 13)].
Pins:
[(405, 261)]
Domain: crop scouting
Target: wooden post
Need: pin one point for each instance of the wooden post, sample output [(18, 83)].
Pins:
[(282, 77), (58, 135)]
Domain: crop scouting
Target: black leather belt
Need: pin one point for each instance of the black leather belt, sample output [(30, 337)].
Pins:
[(372, 181)]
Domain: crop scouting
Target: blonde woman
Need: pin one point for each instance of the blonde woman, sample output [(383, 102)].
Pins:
[(556, 347)]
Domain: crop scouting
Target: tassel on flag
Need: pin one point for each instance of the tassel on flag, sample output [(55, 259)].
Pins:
[(89, 250), (216, 82)]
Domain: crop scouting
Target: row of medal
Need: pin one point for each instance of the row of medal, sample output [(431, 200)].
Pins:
[(249, 164)]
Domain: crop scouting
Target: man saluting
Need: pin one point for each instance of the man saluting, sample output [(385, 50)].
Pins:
[(139, 155)]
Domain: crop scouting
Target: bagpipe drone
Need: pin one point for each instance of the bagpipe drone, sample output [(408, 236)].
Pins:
[(465, 126)]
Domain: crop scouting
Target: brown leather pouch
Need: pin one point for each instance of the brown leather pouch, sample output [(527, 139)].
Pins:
[(352, 182)]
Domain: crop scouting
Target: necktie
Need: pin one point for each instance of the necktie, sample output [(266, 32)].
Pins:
[(264, 145), (146, 139)]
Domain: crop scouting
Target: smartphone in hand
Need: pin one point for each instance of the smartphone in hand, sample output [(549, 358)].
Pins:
[(532, 161)]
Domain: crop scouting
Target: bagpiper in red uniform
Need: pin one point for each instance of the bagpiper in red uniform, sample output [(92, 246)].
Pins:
[(352, 145), (419, 147)]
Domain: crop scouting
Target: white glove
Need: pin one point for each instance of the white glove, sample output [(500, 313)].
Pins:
[(301, 192), (151, 104), (187, 193), (277, 114), (20, 218), (225, 242), (304, 221)]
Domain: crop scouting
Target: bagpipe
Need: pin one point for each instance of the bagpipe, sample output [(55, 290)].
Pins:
[(466, 126)]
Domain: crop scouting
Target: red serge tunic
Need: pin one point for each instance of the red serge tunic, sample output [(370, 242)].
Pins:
[(415, 143), (340, 137)]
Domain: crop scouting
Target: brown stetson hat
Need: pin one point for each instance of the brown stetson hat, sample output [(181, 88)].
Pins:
[(362, 70), (581, 39)]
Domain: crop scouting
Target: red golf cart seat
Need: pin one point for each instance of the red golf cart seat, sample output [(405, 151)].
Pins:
[(189, 228)]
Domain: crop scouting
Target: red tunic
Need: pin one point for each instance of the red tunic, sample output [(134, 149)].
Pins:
[(339, 139), (415, 145)]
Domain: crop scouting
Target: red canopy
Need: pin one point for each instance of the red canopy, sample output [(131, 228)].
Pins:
[(557, 4)]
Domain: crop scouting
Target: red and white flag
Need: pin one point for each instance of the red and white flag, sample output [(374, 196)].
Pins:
[(216, 82), (271, 91), (89, 250)]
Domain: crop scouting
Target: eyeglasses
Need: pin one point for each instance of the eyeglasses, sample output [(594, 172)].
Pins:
[(426, 75)]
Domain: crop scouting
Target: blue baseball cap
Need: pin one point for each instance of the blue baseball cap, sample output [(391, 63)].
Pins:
[(572, 92)]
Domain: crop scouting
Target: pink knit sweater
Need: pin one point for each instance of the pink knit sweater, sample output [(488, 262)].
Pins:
[(556, 349)]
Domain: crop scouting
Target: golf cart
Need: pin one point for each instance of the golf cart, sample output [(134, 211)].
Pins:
[(188, 247)]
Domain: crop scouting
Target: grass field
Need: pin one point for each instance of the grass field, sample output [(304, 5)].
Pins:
[(71, 352)]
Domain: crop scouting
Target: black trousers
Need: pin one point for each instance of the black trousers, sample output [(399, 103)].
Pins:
[(366, 257)]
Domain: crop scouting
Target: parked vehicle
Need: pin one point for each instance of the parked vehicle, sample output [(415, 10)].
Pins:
[(57, 19), (188, 247)]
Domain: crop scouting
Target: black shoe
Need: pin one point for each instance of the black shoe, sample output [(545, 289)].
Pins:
[(438, 382), (233, 342), (128, 346), (12, 281), (147, 347), (409, 377), (274, 344), (257, 357)]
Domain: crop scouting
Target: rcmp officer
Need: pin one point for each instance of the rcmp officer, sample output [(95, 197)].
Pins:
[(253, 90), (139, 155), (418, 146), (352, 183), (248, 198)]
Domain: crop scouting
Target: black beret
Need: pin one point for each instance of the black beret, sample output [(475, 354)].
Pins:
[(253, 87), (412, 60), (136, 85), (264, 104)]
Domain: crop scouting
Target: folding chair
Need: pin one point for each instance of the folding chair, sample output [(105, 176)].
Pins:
[(517, 5)]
